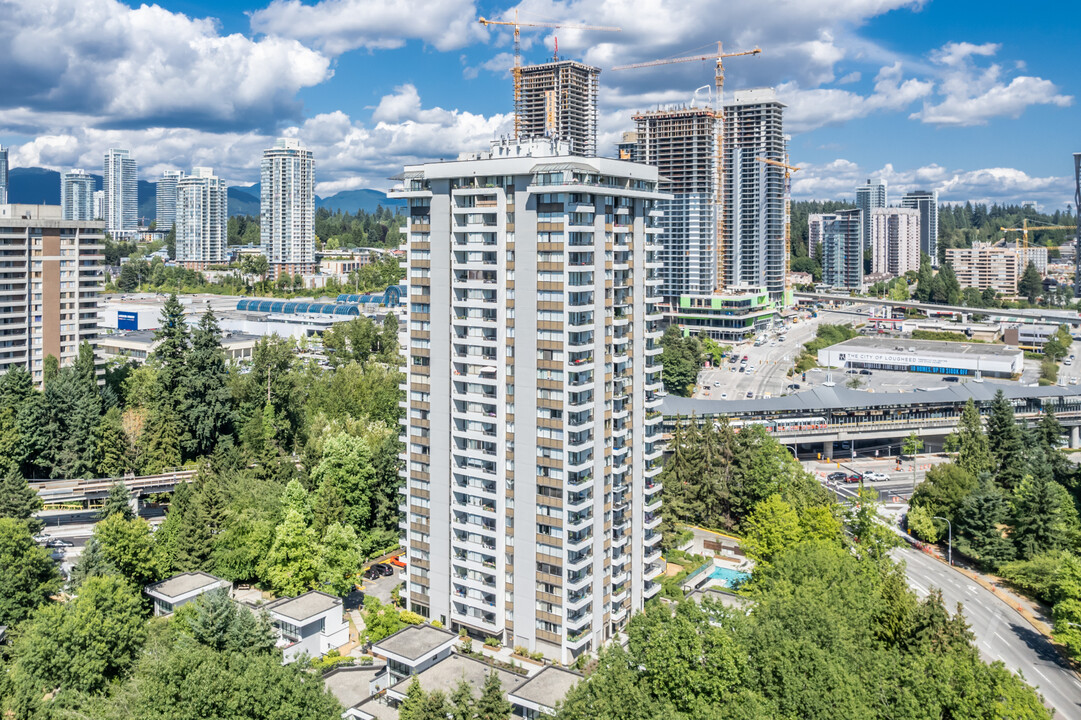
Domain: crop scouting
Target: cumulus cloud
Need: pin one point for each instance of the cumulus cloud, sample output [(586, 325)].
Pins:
[(130, 67), (814, 108), (837, 180), (336, 26), (971, 95), (349, 153)]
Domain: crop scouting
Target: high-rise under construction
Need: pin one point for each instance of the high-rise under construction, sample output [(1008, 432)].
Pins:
[(682, 144), (559, 100)]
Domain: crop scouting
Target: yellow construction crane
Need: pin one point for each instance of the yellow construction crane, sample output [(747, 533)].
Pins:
[(718, 113), (1025, 228), (788, 170), (516, 71)]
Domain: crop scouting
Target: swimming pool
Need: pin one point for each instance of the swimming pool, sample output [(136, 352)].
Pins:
[(727, 576)]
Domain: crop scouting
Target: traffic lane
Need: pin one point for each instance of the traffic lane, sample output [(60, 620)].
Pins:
[(1000, 632)]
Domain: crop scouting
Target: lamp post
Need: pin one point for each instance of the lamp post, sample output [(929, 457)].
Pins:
[(950, 526)]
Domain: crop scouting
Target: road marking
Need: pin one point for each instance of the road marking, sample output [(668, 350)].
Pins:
[(1041, 674)]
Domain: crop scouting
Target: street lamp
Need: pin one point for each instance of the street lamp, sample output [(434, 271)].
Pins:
[(950, 526)]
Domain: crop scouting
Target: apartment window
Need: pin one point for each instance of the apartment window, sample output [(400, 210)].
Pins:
[(548, 626), (420, 396), (420, 272)]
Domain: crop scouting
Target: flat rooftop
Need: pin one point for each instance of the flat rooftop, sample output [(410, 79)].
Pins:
[(184, 583), (378, 710), (944, 348), (352, 685), (548, 687), (839, 397), (146, 337), (305, 606), (415, 641), (444, 675)]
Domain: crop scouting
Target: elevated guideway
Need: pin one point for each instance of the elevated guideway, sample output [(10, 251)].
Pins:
[(1058, 317), (815, 419), (56, 494)]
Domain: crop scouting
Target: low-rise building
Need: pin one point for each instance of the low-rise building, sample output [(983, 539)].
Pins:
[(413, 650), (925, 356), (726, 317), (137, 345), (446, 674), (538, 696), (180, 589), (311, 624), (1029, 336)]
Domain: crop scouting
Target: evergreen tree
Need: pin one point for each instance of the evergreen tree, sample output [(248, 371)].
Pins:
[(18, 500), (973, 454), (461, 701), (208, 402), (16, 386), (160, 439), (492, 705), (950, 284), (86, 365), (172, 351), (1045, 518), (1031, 284), (50, 370), (412, 706), (113, 452), (978, 521), (1004, 440), (31, 423), (924, 279), (118, 502)]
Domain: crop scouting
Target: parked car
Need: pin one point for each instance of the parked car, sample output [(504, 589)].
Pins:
[(742, 368), (717, 383), (950, 379), (372, 573), (385, 569), (875, 476), (793, 386), (750, 394), (852, 372), (865, 372), (724, 396), (837, 477)]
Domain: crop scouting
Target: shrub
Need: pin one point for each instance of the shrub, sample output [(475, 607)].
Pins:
[(436, 624), (521, 650), (410, 618), (466, 645), (491, 642)]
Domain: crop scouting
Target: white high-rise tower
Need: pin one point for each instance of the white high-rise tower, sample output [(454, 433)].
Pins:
[(287, 209), (200, 219), (77, 196), (121, 186)]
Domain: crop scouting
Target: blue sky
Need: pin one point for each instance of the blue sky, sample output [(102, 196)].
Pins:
[(974, 99)]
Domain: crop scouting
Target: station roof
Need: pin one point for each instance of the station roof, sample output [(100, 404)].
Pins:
[(290, 307), (841, 398)]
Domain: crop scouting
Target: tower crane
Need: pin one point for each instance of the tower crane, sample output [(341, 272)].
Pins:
[(788, 170), (1024, 233), (718, 113), (516, 71)]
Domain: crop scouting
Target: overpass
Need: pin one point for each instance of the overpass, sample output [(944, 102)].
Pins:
[(814, 420), (1057, 317), (85, 491)]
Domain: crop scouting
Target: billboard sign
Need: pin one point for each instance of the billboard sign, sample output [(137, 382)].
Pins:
[(127, 320)]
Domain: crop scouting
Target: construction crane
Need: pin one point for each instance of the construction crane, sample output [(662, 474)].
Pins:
[(718, 113), (516, 71), (788, 170), (1025, 228)]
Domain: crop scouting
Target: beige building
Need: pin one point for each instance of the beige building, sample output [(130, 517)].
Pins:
[(50, 277), (895, 240), (985, 266)]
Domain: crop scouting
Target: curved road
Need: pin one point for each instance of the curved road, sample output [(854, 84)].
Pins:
[(1001, 633)]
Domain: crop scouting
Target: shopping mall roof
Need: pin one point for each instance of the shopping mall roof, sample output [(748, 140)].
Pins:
[(297, 307)]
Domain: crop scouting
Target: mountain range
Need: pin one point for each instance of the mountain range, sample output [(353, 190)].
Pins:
[(41, 186)]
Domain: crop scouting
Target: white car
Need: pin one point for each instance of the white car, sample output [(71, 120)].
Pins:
[(717, 384), (875, 477)]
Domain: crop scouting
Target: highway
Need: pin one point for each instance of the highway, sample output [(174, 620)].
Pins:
[(1001, 633)]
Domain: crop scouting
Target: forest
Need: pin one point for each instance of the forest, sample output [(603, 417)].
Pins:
[(297, 483), (1012, 500), (833, 630)]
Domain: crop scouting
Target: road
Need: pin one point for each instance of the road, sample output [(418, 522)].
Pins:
[(1001, 633)]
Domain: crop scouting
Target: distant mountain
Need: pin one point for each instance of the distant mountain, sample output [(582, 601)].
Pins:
[(36, 186), (242, 202), (351, 201)]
